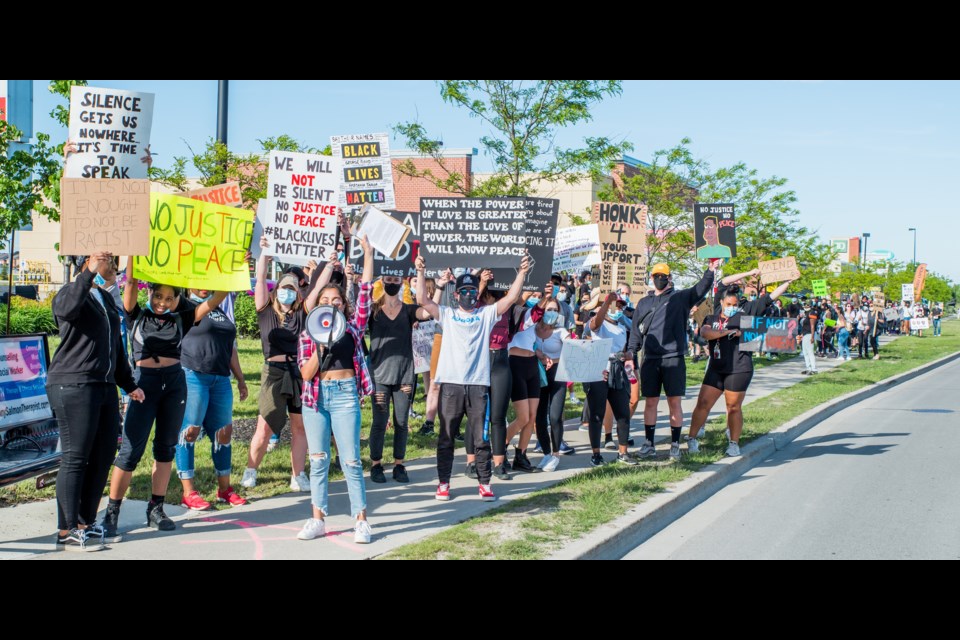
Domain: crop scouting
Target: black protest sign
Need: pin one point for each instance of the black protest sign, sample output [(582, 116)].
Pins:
[(404, 264), (473, 232), (541, 229), (715, 226), (773, 335)]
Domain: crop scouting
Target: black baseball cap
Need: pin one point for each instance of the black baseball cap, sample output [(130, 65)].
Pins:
[(297, 271), (468, 280), (585, 274)]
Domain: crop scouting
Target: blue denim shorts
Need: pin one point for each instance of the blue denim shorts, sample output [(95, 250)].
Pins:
[(209, 400)]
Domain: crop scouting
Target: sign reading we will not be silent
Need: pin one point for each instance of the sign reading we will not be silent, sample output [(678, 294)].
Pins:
[(300, 216), (196, 244)]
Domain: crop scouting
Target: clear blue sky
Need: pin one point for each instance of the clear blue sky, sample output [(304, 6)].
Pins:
[(875, 157)]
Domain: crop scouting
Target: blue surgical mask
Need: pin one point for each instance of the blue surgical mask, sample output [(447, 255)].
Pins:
[(98, 280), (198, 299), (615, 315), (413, 291), (731, 311), (287, 296), (562, 296), (550, 318), (532, 302), (341, 256), (150, 308), (752, 298)]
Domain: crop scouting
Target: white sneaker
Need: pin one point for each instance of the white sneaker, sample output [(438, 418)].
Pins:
[(552, 464), (544, 461), (249, 480), (574, 400), (300, 482), (733, 450), (362, 532), (647, 450), (312, 528), (584, 429), (675, 450), (693, 446)]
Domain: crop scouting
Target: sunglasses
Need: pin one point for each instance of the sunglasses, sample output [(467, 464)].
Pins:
[(466, 291)]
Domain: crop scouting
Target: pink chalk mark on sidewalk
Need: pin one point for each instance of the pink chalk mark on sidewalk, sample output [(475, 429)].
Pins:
[(251, 527)]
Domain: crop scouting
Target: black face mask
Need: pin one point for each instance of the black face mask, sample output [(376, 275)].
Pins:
[(467, 301), (660, 282), (391, 289)]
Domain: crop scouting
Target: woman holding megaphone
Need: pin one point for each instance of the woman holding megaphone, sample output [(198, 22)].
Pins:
[(335, 376)]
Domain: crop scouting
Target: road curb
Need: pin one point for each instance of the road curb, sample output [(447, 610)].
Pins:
[(615, 539)]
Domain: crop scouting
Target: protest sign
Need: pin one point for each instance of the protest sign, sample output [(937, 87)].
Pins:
[(919, 281), (540, 227), (23, 379), (300, 216), (473, 232), (623, 246), (906, 292), (715, 229), (781, 270), (111, 128), (583, 360), (104, 215), (879, 301), (891, 314), (771, 335), (819, 288), (385, 233), (367, 175), (919, 324), (423, 345), (404, 264), (196, 244), (227, 194), (576, 248)]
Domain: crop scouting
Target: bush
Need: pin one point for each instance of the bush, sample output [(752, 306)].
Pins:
[(29, 316), (245, 312)]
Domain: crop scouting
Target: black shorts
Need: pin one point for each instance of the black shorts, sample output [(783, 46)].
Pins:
[(668, 374), (735, 382), (526, 378)]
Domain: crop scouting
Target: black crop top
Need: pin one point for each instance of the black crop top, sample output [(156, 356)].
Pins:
[(342, 354), (155, 336)]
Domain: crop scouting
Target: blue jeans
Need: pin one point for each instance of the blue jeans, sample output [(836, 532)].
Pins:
[(209, 406), (936, 326), (337, 413), (843, 341)]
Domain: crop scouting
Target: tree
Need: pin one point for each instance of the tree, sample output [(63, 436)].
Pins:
[(61, 114), (524, 118), (767, 222)]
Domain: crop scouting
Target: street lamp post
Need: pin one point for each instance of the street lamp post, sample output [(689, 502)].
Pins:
[(866, 237), (914, 229)]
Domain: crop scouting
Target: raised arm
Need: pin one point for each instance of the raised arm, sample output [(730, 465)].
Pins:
[(779, 291), (131, 288), (426, 303), (207, 306), (261, 295), (503, 304), (727, 280), (597, 321), (317, 284), (368, 261)]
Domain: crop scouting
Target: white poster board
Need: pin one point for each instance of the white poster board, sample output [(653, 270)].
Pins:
[(367, 175), (583, 360), (918, 324), (906, 292), (111, 128), (423, 345), (385, 233), (576, 248)]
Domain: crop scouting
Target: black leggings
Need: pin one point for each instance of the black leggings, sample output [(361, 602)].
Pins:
[(501, 386), (165, 397), (552, 398), (864, 344), (600, 394), (381, 413), (89, 419)]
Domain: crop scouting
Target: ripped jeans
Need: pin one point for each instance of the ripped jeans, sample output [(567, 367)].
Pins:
[(337, 413), (210, 406), (401, 395)]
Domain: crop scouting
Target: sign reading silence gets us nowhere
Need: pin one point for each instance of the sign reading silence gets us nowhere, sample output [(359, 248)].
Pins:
[(111, 129)]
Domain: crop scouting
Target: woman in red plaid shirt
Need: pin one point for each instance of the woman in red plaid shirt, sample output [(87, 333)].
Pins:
[(334, 379)]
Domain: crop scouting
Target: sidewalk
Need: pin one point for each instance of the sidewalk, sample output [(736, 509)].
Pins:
[(399, 514)]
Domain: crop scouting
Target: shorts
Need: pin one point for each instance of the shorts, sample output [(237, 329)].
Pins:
[(526, 378), (280, 388), (668, 374), (735, 382)]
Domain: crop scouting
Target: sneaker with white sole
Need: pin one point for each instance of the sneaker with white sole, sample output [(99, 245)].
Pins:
[(733, 450), (78, 540), (249, 480), (674, 450), (312, 528), (610, 445), (443, 491), (362, 532), (552, 465), (565, 449), (628, 459), (585, 428), (647, 450), (300, 482), (693, 446), (543, 461), (486, 493)]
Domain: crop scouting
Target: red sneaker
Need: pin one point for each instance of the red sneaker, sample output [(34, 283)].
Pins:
[(194, 501), (230, 496), (486, 493), (443, 491)]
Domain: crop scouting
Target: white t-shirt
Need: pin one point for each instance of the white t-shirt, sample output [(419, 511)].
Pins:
[(614, 331), (465, 350), (526, 336), (553, 345), (907, 313)]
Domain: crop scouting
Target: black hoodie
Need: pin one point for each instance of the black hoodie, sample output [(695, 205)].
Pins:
[(666, 335), (91, 349)]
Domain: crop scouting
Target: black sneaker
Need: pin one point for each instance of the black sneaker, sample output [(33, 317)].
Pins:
[(566, 449), (426, 429), (157, 519), (471, 471), (376, 473), (626, 458), (520, 463), (596, 460), (458, 437), (400, 473), (78, 540), (111, 521), (501, 471)]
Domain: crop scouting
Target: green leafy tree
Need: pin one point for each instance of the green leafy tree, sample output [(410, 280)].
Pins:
[(524, 118)]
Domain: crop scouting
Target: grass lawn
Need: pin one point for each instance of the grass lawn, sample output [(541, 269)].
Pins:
[(538, 525)]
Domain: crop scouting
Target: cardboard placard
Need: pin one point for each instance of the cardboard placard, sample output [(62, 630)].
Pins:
[(404, 263), (906, 292), (300, 216), (771, 335), (715, 231), (366, 173), (385, 233), (473, 232), (226, 194), (540, 227), (780, 270), (196, 244), (583, 360), (104, 215), (576, 248), (819, 288), (111, 128), (879, 301), (623, 246)]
